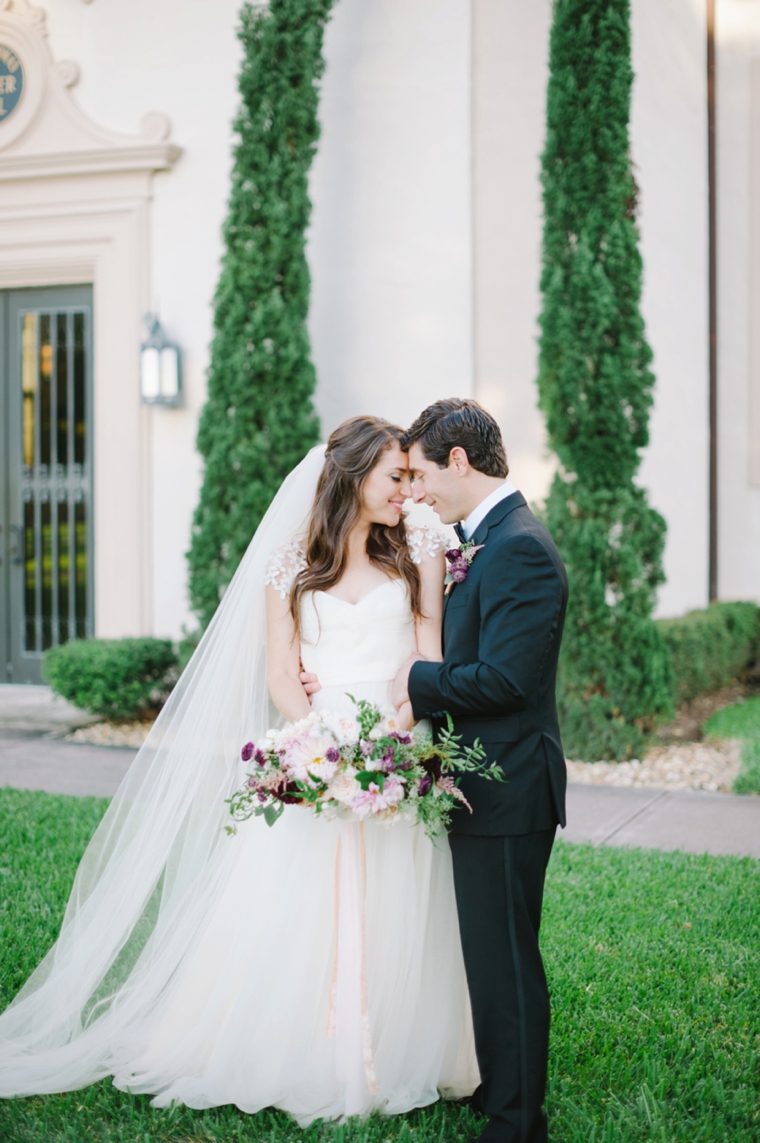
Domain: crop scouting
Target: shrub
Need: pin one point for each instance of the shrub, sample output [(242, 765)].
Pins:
[(595, 389), (741, 720), (258, 421), (117, 678), (711, 648)]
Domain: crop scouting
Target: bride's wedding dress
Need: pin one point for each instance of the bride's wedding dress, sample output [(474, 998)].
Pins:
[(314, 966), (329, 980)]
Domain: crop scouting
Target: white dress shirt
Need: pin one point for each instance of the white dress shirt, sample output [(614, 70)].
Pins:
[(469, 525)]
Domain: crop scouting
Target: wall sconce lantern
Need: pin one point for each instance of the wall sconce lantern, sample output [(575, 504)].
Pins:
[(160, 379)]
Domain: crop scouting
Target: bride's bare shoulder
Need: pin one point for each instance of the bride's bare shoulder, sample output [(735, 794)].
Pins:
[(284, 565), (425, 541)]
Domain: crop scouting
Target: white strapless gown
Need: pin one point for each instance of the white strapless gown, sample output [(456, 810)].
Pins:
[(329, 981)]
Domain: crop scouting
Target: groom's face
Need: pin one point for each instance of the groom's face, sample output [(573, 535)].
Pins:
[(441, 488)]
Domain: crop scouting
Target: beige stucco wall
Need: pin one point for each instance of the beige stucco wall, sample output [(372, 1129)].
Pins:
[(510, 49), (390, 245), (668, 132), (425, 242)]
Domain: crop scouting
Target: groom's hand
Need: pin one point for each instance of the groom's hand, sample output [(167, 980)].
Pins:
[(310, 683), (400, 687)]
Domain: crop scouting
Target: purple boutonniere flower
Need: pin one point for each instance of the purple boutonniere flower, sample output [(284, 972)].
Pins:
[(459, 560)]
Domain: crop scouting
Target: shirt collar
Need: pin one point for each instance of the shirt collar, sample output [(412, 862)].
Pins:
[(501, 493)]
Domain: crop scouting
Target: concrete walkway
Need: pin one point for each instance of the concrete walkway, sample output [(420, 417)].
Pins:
[(696, 822), (691, 820), (36, 710), (28, 763)]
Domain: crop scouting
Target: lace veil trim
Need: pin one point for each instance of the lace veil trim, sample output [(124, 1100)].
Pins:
[(425, 541), (285, 564)]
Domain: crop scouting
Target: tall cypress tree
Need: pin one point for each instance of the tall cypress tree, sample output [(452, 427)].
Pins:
[(258, 421), (595, 387)]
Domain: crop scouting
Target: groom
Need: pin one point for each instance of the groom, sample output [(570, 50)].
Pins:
[(502, 628)]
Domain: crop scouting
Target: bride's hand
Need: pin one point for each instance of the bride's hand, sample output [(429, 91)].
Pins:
[(400, 687), (405, 716), (309, 682)]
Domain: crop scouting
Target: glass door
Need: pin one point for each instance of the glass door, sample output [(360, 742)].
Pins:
[(47, 372)]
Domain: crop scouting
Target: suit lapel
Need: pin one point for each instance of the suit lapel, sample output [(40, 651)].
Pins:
[(498, 513)]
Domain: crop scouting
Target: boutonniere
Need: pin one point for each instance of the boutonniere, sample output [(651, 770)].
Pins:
[(459, 560)]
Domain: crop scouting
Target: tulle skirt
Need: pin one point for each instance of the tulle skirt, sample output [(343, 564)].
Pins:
[(328, 980)]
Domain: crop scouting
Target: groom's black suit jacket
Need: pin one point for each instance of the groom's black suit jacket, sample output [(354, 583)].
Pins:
[(502, 630)]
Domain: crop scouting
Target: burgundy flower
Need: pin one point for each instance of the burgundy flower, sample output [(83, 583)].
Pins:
[(452, 554), (247, 752), (332, 754), (388, 760), (425, 786), (261, 758), (433, 767), (402, 736), (458, 574), (286, 794)]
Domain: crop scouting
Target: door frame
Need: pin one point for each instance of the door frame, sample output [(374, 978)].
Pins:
[(84, 231), (23, 666)]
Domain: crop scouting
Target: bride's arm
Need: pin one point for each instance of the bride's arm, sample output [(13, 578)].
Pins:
[(283, 659), (428, 627)]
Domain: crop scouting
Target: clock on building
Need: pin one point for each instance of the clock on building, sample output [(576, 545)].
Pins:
[(11, 81)]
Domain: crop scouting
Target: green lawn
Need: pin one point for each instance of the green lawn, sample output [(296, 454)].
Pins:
[(654, 967), (741, 720)]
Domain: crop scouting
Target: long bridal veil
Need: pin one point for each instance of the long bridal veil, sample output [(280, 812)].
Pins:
[(154, 867)]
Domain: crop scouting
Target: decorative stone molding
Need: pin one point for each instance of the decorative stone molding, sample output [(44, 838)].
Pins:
[(91, 226), (48, 134)]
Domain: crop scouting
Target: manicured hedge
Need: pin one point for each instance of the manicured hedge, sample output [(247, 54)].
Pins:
[(118, 678), (595, 389), (711, 648), (259, 421)]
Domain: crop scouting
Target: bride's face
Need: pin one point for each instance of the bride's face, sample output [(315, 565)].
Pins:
[(386, 488)]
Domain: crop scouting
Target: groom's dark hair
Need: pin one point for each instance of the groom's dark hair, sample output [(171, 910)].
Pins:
[(459, 423)]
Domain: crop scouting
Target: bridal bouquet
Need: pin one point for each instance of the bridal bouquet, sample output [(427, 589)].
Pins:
[(357, 768)]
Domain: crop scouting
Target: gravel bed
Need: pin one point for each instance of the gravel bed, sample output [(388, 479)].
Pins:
[(111, 734), (689, 766)]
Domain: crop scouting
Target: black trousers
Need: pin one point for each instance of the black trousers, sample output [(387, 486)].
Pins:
[(499, 884)]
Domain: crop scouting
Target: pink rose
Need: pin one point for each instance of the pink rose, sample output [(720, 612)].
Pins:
[(343, 788), (373, 800)]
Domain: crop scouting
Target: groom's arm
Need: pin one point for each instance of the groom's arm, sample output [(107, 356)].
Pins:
[(521, 596)]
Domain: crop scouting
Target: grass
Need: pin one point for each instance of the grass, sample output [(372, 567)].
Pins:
[(741, 720), (653, 962)]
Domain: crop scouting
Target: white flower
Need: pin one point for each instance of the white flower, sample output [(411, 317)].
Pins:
[(344, 729), (344, 786), (304, 752), (322, 768), (389, 724)]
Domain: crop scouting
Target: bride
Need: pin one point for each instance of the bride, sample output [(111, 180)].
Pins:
[(315, 966)]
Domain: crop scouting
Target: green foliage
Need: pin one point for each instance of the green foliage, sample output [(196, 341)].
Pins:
[(118, 678), (711, 648), (652, 960), (258, 421), (188, 645), (741, 720), (595, 389)]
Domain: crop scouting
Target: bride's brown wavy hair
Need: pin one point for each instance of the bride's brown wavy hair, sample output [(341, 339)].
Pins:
[(353, 451)]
